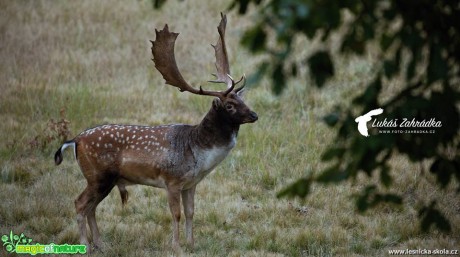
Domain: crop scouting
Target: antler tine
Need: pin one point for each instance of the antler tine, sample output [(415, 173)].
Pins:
[(222, 64), (165, 62), (230, 89), (244, 83)]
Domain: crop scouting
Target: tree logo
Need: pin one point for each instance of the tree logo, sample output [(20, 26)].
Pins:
[(11, 241), (20, 244), (363, 119)]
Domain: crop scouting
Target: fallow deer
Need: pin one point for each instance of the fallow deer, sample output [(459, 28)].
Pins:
[(174, 157)]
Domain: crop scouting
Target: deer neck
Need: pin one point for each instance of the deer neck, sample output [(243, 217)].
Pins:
[(216, 130)]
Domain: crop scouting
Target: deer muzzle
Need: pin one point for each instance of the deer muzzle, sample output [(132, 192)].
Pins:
[(252, 117)]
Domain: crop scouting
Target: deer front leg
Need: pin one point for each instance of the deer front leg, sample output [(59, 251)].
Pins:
[(174, 206), (188, 200)]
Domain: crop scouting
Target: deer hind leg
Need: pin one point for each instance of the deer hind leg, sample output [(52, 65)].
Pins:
[(103, 190), (86, 205), (93, 227), (81, 206)]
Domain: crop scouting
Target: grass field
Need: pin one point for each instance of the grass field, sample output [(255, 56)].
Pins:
[(70, 65)]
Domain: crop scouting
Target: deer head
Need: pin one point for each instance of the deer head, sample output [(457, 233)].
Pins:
[(229, 103)]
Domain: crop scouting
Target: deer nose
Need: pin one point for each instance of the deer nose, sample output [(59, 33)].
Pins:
[(253, 116)]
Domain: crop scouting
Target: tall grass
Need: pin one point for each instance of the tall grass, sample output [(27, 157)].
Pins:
[(91, 61)]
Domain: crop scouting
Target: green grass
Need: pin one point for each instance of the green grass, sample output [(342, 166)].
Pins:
[(92, 60)]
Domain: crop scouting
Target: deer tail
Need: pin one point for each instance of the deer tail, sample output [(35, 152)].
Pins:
[(58, 155), (123, 194)]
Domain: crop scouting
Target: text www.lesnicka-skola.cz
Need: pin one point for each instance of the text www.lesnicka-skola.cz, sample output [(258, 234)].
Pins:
[(423, 252)]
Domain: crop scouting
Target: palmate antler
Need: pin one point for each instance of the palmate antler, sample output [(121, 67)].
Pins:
[(222, 64), (165, 62)]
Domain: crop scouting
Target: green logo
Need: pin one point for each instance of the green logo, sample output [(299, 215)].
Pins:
[(21, 244)]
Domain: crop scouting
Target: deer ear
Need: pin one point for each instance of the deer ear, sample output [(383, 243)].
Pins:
[(216, 103)]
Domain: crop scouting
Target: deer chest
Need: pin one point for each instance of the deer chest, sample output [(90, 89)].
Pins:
[(207, 159)]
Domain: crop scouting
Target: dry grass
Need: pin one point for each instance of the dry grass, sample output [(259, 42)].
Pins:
[(92, 59)]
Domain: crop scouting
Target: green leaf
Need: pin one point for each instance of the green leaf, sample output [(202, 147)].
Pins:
[(331, 119), (416, 56), (385, 177), (390, 13), (299, 188), (370, 198), (369, 97), (333, 152), (321, 67), (390, 198), (386, 41), (390, 68), (430, 216), (437, 66), (279, 79), (294, 70), (352, 42), (254, 39), (368, 28), (362, 202), (243, 6), (443, 169), (332, 175), (158, 3)]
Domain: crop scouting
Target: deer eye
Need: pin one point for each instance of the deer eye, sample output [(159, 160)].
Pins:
[(228, 106)]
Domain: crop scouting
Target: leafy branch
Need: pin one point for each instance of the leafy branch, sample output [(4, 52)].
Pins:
[(418, 41)]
